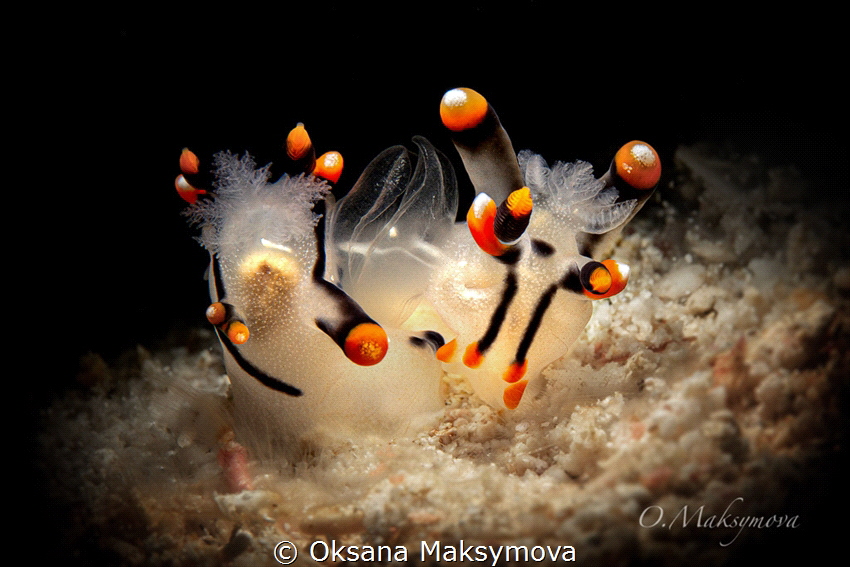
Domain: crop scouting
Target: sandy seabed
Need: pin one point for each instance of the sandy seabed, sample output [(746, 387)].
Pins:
[(698, 420)]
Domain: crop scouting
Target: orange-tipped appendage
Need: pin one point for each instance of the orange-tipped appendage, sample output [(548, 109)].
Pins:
[(638, 164), (520, 203), (447, 352), (599, 281), (619, 277), (238, 332), (189, 162), (618, 274), (462, 109), (186, 191), (216, 313), (329, 166), (366, 344), (515, 372), (513, 216), (298, 143), (513, 394), (479, 220), (472, 357)]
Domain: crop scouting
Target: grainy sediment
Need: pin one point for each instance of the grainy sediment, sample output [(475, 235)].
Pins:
[(713, 383)]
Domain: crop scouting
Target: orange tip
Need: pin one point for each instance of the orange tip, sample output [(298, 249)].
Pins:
[(329, 166), (462, 109), (366, 344), (189, 162), (447, 352), (238, 333), (638, 164), (513, 394), (616, 279), (472, 357), (298, 143), (519, 203), (186, 191), (619, 276), (515, 371), (513, 216), (480, 219), (598, 281), (216, 313)]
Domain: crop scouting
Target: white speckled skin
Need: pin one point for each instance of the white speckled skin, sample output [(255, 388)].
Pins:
[(391, 248), (270, 286), (467, 289)]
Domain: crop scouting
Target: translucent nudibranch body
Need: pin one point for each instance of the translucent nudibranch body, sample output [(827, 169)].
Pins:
[(341, 317), (312, 365)]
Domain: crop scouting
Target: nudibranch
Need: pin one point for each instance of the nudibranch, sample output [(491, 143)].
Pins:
[(339, 318)]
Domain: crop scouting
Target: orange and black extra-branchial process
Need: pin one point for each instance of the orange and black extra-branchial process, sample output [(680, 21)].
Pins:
[(342, 316)]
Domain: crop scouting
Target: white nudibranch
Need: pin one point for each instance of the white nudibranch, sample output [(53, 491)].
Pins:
[(337, 320)]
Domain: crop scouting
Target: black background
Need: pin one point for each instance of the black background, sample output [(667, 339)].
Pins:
[(126, 95), (110, 98)]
